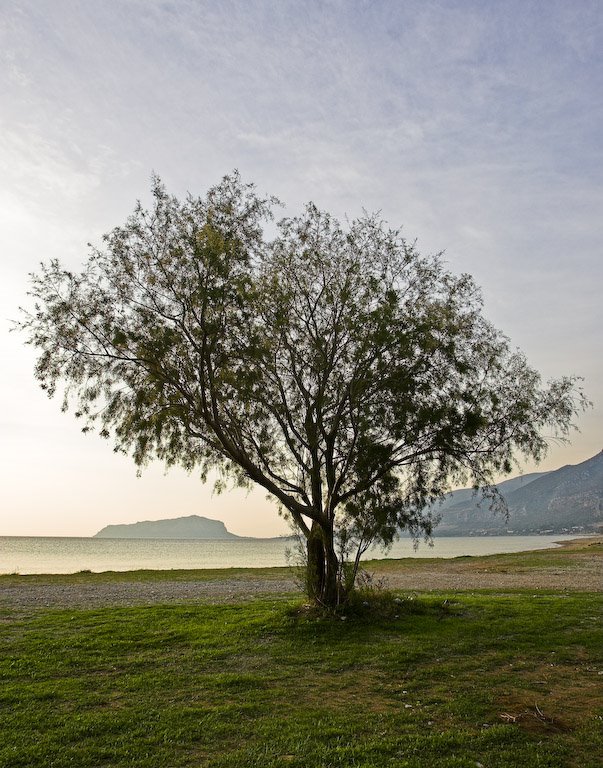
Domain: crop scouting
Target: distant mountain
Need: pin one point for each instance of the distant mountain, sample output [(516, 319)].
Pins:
[(465, 496), (567, 500), (192, 527)]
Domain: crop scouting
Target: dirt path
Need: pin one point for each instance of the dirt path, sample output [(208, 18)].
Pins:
[(575, 567)]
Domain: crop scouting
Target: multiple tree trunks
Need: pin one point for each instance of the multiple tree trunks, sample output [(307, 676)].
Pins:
[(323, 581)]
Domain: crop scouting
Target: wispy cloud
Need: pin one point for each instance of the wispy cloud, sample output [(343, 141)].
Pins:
[(475, 125)]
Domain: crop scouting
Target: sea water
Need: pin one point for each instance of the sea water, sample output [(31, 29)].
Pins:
[(28, 554)]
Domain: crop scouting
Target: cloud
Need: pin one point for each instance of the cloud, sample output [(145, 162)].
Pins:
[(476, 126)]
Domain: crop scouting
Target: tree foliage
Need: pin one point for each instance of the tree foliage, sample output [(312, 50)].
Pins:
[(351, 377)]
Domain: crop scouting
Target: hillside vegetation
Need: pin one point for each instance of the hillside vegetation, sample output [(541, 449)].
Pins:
[(568, 500)]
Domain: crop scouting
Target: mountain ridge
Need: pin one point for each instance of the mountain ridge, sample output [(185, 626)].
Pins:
[(565, 500)]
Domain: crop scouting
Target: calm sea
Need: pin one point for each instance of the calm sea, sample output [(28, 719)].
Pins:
[(26, 554)]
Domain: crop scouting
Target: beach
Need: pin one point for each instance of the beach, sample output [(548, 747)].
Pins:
[(574, 566)]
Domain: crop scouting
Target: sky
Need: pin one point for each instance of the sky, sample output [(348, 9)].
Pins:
[(476, 126)]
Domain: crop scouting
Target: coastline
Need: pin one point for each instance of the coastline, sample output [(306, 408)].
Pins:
[(68, 555), (575, 566)]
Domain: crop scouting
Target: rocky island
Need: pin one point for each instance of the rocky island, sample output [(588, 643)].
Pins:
[(190, 527)]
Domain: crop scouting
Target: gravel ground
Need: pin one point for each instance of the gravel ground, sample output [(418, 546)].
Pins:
[(583, 573), (40, 595), (586, 578)]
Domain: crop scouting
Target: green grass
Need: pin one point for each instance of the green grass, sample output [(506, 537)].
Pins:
[(438, 680), (198, 574)]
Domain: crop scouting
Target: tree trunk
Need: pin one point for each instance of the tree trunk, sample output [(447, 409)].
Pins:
[(322, 569)]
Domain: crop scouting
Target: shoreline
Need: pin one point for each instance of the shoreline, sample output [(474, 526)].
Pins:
[(575, 566), (236, 537), (59, 556)]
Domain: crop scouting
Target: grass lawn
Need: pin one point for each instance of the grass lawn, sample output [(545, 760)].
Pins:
[(441, 680)]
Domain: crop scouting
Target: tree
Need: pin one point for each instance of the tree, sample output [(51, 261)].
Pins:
[(351, 377)]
